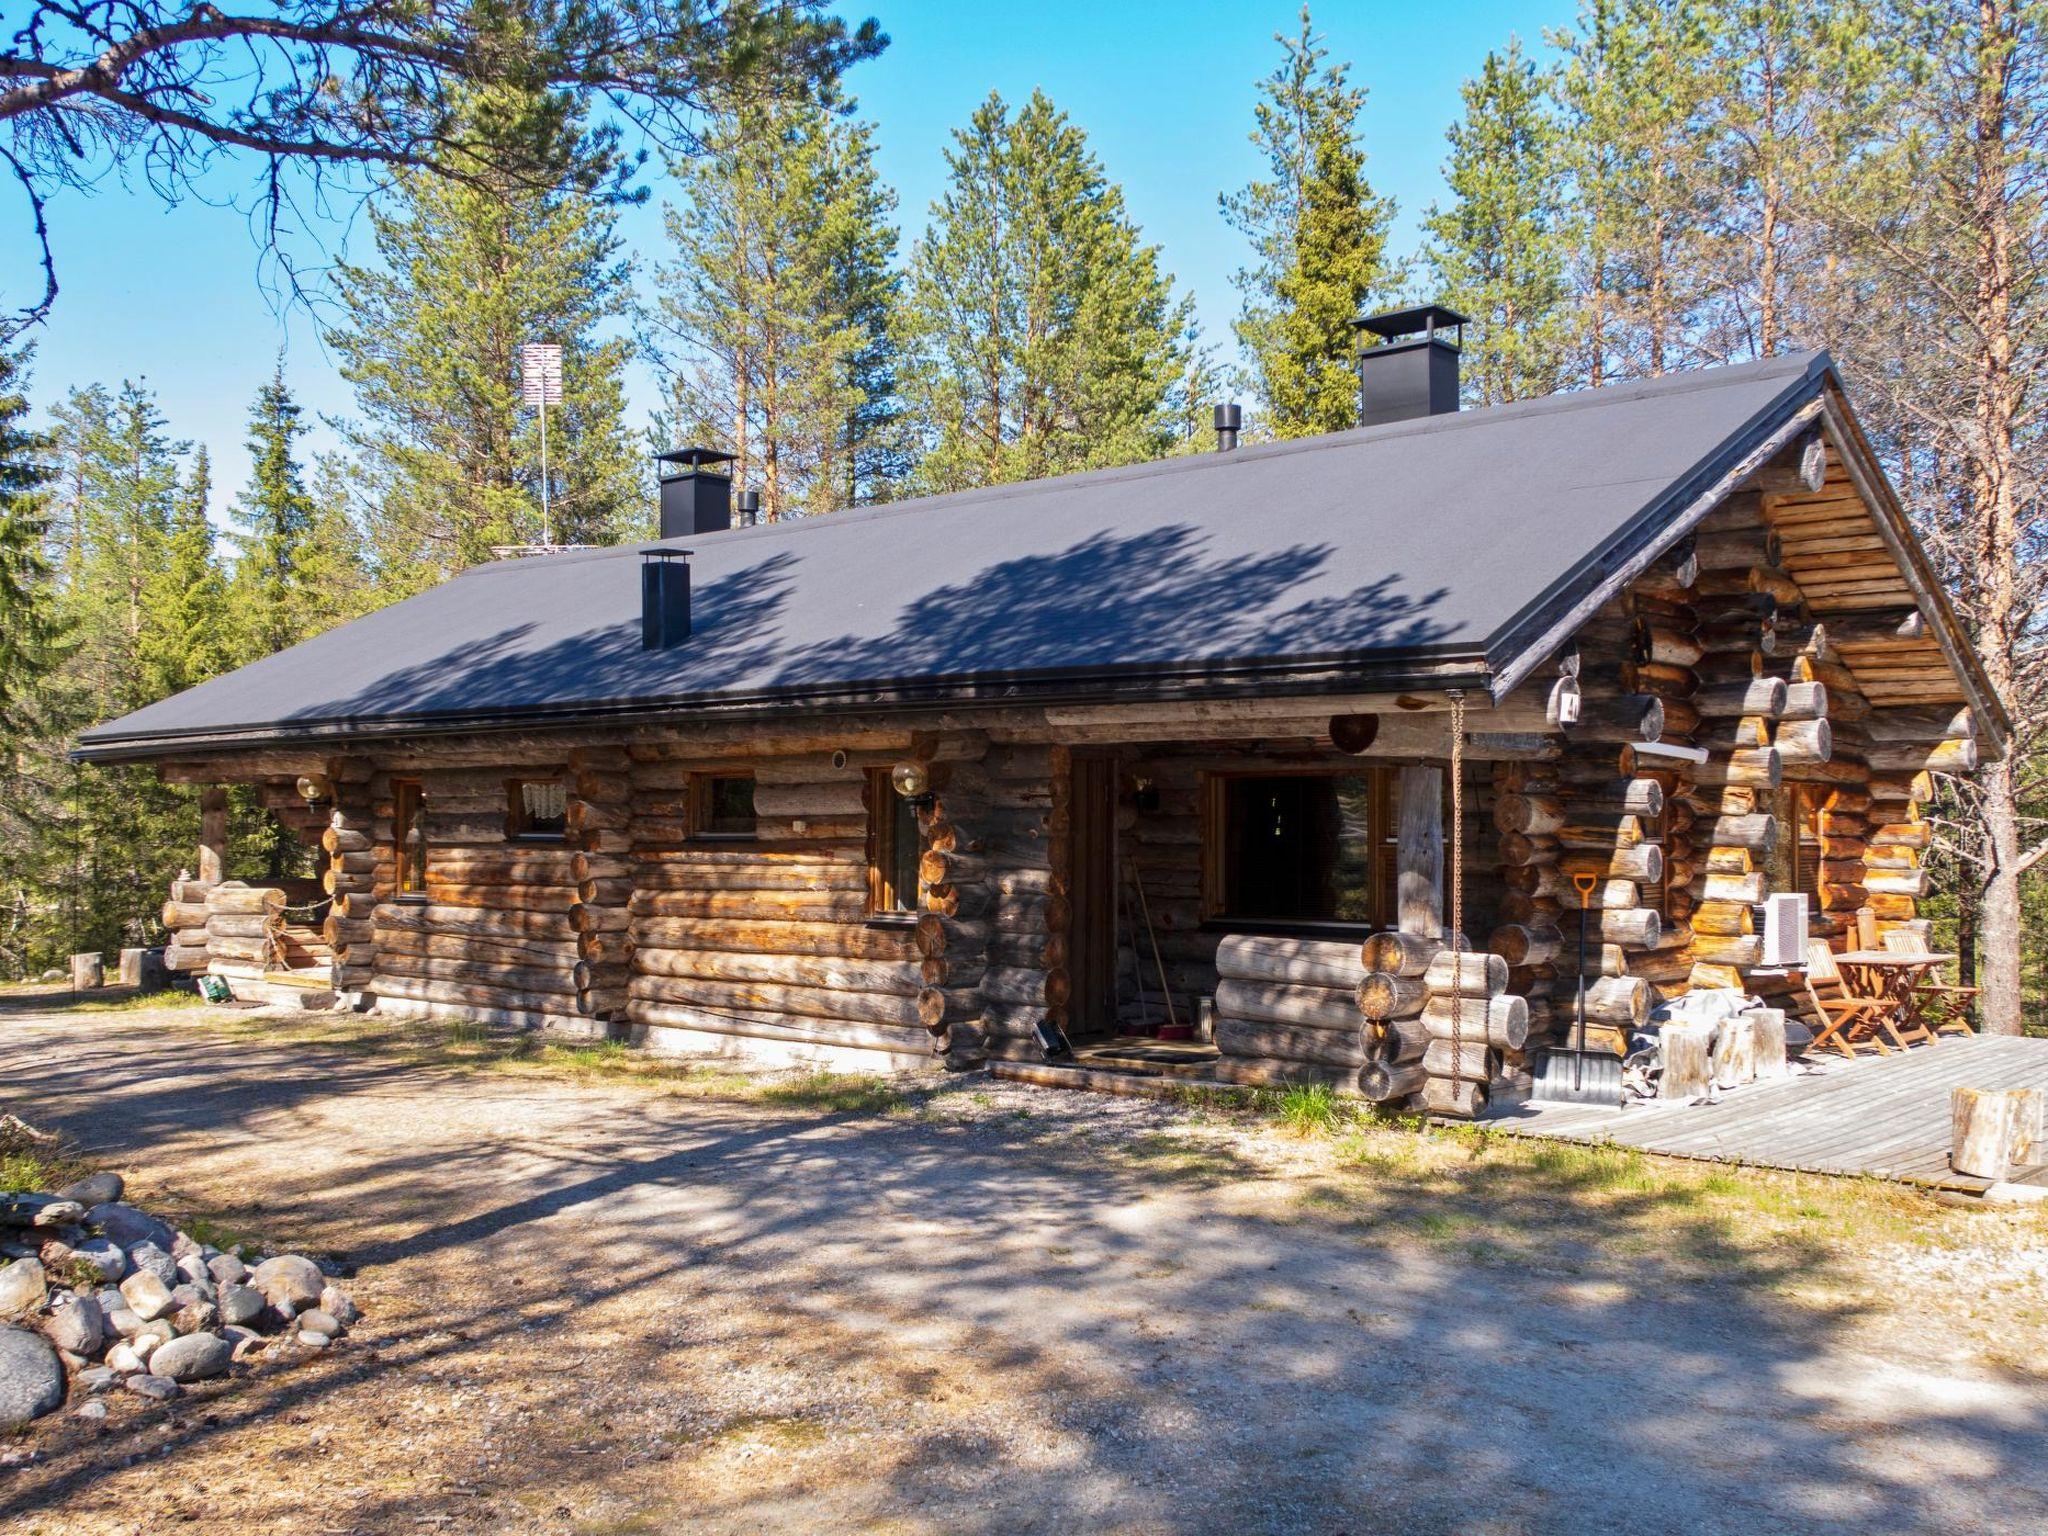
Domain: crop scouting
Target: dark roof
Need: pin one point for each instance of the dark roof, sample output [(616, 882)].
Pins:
[(1354, 560)]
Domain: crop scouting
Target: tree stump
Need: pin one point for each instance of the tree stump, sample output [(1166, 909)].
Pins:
[(1735, 1052), (88, 973), (1768, 1025), (1688, 1061), (1993, 1130)]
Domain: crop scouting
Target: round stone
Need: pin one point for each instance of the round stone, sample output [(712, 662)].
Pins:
[(158, 1388), (290, 1282), (78, 1328), (317, 1321), (23, 1287), (150, 1257), (31, 1376), (107, 1257), (240, 1304), (192, 1358), (147, 1296), (226, 1269), (128, 1226), (94, 1189), (340, 1306)]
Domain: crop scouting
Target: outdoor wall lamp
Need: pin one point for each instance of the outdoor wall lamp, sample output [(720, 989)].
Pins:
[(913, 781), (1144, 796), (313, 788)]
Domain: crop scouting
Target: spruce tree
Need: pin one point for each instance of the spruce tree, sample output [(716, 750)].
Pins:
[(28, 622), (521, 248), (187, 634), (276, 517), (1319, 242), (778, 306), (1041, 336), (1495, 250)]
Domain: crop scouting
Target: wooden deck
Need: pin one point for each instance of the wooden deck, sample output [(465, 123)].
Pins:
[(1884, 1117)]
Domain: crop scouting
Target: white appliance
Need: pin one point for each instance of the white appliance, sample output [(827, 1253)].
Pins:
[(1785, 929)]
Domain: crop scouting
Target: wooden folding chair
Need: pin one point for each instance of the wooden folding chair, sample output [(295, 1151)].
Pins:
[(1866, 929), (1838, 1012), (1947, 1006)]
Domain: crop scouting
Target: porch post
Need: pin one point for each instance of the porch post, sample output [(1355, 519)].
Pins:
[(1419, 852), (213, 834)]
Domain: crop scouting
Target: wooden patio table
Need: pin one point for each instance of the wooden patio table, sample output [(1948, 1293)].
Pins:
[(1886, 973)]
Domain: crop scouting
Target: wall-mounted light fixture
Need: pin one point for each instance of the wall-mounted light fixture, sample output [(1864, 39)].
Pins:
[(1144, 796), (913, 781), (313, 788)]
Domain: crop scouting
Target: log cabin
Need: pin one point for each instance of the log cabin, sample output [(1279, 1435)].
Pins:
[(1346, 758)]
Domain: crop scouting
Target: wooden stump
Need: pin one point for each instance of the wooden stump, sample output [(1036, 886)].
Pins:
[(1735, 1052), (87, 972), (1768, 1027), (1688, 1061), (1993, 1130)]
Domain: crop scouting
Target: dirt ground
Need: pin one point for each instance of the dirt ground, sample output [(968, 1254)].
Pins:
[(598, 1305)]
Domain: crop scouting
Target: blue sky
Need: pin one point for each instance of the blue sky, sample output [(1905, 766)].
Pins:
[(1165, 92)]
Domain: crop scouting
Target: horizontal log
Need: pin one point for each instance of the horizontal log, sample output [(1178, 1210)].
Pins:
[(775, 999), (1756, 832), (545, 953), (1643, 863), (1400, 954), (1801, 742), (1310, 962), (1521, 945), (559, 981), (1501, 1021), (500, 898), (438, 918), (236, 897), (840, 940), (1278, 1003), (461, 994), (1472, 973), (1642, 797), (1805, 701), (783, 906), (1329, 1047), (1635, 927), (1383, 1082), (777, 1026), (1473, 1060), (1383, 996), (1955, 755), (844, 798), (899, 977)]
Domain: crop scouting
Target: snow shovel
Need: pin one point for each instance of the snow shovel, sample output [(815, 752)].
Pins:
[(1576, 1075)]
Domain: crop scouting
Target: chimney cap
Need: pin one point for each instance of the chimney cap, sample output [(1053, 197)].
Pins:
[(1427, 319), (690, 461)]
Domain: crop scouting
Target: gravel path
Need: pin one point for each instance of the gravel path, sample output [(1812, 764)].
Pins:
[(602, 1309)]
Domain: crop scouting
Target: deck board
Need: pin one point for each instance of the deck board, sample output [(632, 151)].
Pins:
[(1884, 1117)]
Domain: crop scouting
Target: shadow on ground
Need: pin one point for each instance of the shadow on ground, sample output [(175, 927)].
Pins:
[(824, 1322)]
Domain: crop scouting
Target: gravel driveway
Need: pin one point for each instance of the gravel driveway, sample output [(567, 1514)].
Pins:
[(597, 1308)]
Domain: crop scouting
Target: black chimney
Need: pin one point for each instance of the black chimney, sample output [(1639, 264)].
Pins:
[(1412, 370), (1229, 422), (750, 508), (664, 598), (696, 495)]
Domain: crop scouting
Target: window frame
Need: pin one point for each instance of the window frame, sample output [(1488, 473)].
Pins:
[(888, 815), (408, 810), (516, 827), (1384, 877), (700, 808)]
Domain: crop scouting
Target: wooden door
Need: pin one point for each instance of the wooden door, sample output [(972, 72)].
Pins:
[(1091, 936)]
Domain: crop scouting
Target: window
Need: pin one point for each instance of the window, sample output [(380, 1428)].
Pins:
[(1302, 847), (893, 848), (722, 805), (409, 829), (1795, 857), (538, 809)]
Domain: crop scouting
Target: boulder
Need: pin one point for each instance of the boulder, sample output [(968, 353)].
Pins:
[(226, 1269), (60, 1213), (23, 1287), (240, 1304), (128, 1226), (184, 1243), (189, 1295), (198, 1317), (98, 1378), (154, 1259), (93, 1409), (159, 1389), (314, 1339), (79, 1328), (122, 1321), (94, 1189), (107, 1257), (192, 1267), (289, 1282), (31, 1376), (147, 1296), (317, 1321), (340, 1306), (124, 1360), (195, 1357), (153, 1337)]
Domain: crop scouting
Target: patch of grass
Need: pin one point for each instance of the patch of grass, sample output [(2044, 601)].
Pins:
[(1309, 1110), (835, 1092), (25, 1168), (1195, 1160), (140, 1002)]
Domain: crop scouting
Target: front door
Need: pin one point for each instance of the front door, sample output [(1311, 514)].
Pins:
[(1091, 932)]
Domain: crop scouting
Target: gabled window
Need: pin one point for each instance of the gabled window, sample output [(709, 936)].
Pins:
[(537, 810), (1315, 847), (722, 805), (894, 846), (409, 836)]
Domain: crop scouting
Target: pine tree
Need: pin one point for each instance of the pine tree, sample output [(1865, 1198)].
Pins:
[(520, 249), (28, 623), (1040, 334), (1496, 250), (276, 518), (780, 303), (1633, 91), (1319, 242)]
